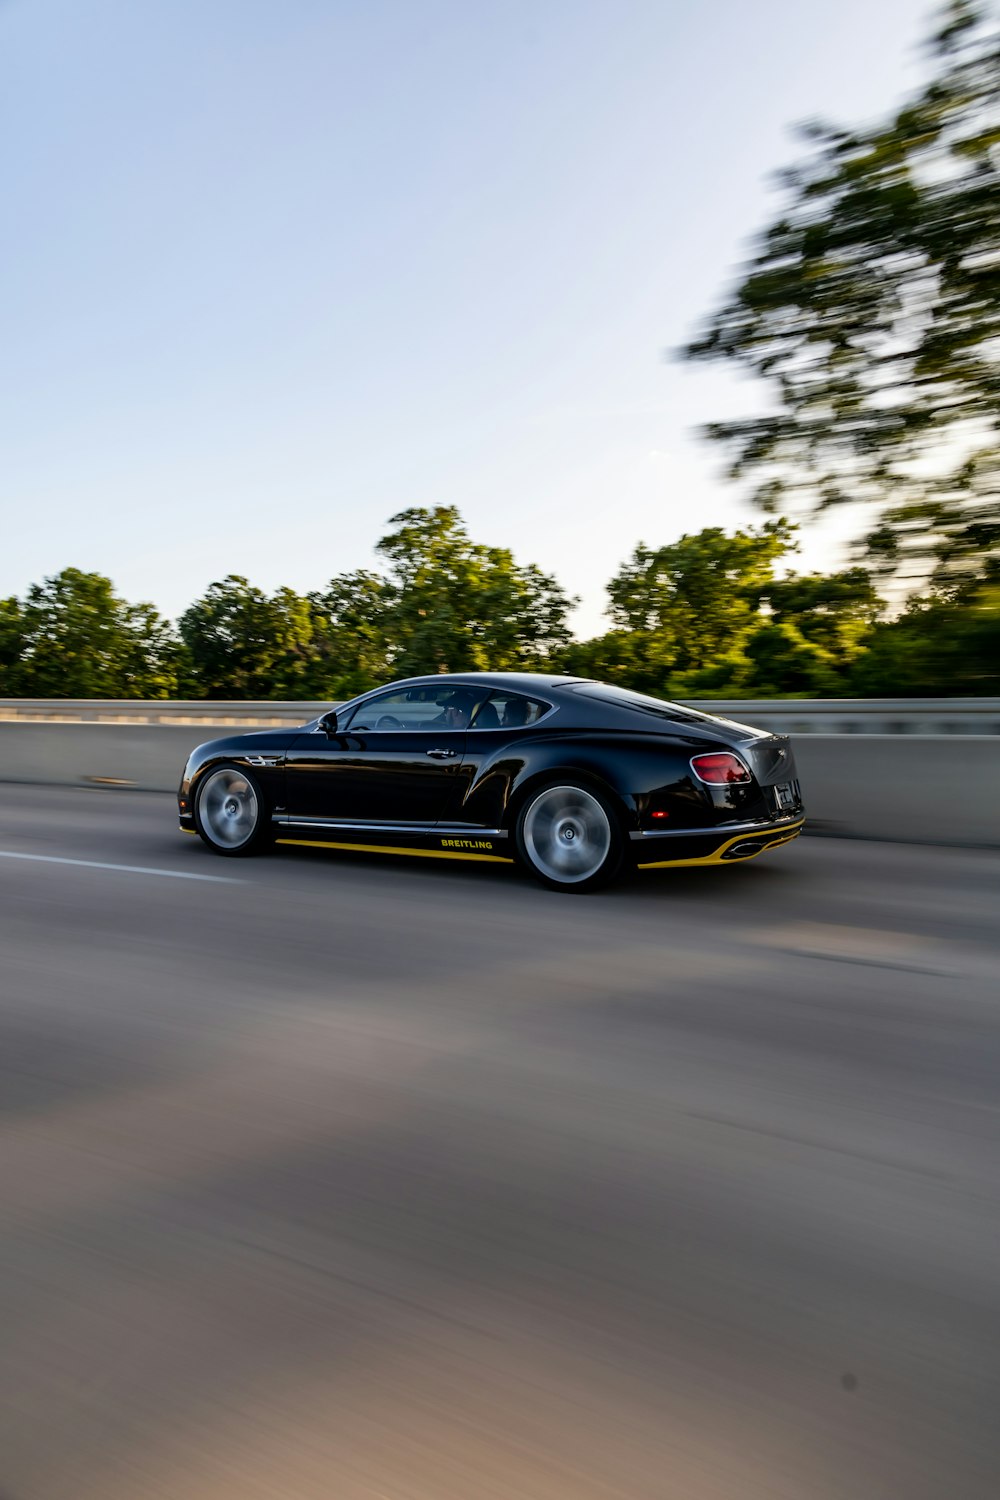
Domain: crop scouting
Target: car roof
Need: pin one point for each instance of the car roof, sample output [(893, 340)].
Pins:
[(523, 682), (597, 709)]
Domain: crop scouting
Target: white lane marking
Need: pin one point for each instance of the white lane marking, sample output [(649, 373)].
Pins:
[(97, 864)]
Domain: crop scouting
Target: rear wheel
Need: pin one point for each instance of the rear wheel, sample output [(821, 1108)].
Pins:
[(231, 813), (570, 838)]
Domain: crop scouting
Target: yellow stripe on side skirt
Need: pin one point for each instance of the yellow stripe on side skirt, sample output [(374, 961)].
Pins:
[(498, 859)]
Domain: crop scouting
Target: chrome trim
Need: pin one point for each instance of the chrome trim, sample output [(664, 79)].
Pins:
[(550, 709), (516, 728), (722, 829), (466, 830)]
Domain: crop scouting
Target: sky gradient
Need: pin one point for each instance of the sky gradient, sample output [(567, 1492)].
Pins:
[(273, 272)]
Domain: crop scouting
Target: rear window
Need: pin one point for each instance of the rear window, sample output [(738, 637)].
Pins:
[(639, 703), (509, 711)]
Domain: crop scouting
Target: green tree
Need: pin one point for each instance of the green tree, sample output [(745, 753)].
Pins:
[(11, 647), (779, 661), (697, 597), (834, 609), (151, 655), (632, 658), (705, 616), (77, 639), (870, 311), (242, 643), (353, 644), (936, 648), (455, 605)]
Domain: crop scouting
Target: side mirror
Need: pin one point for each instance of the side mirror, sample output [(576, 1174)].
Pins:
[(328, 723)]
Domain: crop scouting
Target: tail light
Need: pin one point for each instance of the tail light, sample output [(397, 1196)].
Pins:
[(719, 768)]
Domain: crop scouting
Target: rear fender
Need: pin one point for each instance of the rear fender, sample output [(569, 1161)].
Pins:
[(496, 786), (639, 774)]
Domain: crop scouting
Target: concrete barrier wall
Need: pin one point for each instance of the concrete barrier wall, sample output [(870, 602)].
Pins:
[(924, 789), (147, 756)]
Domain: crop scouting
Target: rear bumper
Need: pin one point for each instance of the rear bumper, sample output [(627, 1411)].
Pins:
[(717, 846)]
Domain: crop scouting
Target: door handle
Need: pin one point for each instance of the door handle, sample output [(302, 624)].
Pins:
[(442, 754)]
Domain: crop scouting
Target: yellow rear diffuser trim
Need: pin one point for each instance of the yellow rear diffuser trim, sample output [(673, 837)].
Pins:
[(499, 859), (716, 857)]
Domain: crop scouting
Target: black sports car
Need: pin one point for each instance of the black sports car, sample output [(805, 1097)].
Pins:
[(575, 779)]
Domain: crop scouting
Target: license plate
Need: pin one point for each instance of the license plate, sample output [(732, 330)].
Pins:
[(785, 795)]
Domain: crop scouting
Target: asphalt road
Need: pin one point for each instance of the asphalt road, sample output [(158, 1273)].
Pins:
[(338, 1177)]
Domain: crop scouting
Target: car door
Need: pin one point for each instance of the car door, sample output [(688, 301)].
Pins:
[(394, 761)]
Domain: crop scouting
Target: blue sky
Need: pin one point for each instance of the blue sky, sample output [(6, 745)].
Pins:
[(274, 271)]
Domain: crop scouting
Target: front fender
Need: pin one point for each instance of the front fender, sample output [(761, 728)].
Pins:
[(262, 752)]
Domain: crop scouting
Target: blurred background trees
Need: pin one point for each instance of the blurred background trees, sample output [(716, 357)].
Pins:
[(870, 314), (73, 637), (443, 604), (705, 616)]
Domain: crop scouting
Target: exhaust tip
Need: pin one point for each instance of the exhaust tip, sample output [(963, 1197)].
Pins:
[(745, 849)]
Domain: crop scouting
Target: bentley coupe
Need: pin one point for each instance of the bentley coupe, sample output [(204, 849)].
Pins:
[(575, 780)]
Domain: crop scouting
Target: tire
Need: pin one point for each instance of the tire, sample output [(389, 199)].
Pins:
[(570, 837), (231, 812)]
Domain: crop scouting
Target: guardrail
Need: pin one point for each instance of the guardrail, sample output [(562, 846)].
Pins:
[(936, 716), (255, 713)]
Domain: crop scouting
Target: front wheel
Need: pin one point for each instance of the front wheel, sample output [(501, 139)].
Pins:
[(230, 812), (570, 838)]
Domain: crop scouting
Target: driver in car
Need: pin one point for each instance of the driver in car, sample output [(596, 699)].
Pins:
[(456, 711)]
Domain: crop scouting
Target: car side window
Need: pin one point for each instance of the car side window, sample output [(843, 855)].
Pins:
[(445, 709), (509, 711)]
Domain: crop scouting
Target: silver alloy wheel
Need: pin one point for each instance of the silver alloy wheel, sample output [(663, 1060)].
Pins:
[(567, 834), (227, 807)]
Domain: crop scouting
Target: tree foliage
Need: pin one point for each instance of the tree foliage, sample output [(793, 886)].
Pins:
[(240, 642), (680, 611), (243, 643), (870, 311), (444, 603), (834, 611), (936, 648), (697, 595), (704, 616), (354, 643), (455, 605), (73, 637)]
